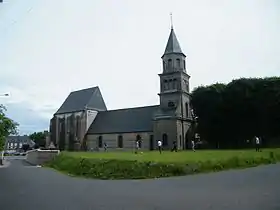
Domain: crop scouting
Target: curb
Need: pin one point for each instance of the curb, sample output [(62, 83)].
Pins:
[(5, 164)]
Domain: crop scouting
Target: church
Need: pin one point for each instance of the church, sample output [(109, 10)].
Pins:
[(83, 121)]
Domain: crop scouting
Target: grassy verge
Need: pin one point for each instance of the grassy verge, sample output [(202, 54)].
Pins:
[(126, 165)]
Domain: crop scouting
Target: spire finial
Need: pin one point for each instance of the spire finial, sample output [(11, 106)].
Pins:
[(171, 20)]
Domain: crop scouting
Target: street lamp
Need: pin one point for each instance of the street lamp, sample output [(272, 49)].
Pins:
[(6, 94)]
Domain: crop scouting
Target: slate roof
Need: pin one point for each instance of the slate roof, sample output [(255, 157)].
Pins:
[(173, 45), (139, 119), (20, 139), (90, 98)]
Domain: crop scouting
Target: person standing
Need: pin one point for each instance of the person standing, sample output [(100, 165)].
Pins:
[(105, 146), (257, 142), (159, 146), (174, 146), (136, 146), (193, 146)]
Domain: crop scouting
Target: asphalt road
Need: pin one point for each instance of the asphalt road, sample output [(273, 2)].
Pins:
[(24, 187)]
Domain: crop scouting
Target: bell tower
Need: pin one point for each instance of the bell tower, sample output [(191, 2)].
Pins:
[(174, 119), (174, 78)]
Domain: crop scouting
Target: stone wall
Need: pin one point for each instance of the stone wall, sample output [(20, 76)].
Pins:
[(113, 141), (38, 157), (68, 130), (167, 128)]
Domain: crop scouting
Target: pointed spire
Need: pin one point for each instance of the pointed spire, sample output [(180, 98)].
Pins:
[(173, 45), (171, 20)]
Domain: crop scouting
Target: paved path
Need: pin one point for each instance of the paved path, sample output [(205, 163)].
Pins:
[(24, 187)]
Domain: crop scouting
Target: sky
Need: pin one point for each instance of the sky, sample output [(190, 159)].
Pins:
[(50, 48)]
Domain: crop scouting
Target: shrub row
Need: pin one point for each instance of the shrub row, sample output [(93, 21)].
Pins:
[(132, 169)]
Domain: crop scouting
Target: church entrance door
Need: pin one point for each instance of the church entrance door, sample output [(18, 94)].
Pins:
[(151, 142)]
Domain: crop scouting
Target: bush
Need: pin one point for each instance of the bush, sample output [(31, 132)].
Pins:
[(133, 169)]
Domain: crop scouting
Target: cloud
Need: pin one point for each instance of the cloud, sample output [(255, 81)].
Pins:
[(44, 57), (29, 121)]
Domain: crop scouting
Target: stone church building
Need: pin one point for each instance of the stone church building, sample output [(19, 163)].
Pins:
[(84, 123)]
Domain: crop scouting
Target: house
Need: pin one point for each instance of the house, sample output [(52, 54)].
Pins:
[(84, 123), (16, 142)]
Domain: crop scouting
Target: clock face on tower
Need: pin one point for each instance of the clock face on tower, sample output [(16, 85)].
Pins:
[(171, 104)]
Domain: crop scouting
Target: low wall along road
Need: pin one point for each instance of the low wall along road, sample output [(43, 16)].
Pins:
[(38, 157)]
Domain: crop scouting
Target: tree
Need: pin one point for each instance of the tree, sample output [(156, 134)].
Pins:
[(39, 138), (207, 106), (7, 127), (230, 114)]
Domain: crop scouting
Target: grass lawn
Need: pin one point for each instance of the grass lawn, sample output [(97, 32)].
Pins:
[(127, 165), (176, 157)]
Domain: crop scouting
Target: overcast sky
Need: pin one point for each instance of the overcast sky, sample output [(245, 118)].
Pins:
[(50, 48)]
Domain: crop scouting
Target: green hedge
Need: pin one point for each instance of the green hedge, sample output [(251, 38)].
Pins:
[(132, 169)]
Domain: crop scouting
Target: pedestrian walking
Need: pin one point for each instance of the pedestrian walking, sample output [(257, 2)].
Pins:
[(105, 146), (257, 142), (174, 148), (136, 146), (159, 146), (193, 146)]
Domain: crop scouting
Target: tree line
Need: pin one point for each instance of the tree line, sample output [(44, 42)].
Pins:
[(230, 115), (7, 126), (39, 138)]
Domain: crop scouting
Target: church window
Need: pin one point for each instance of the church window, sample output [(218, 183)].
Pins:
[(151, 142), (180, 140), (163, 64), (178, 63), (170, 84), (138, 138), (187, 86), (120, 141), (169, 64), (165, 84), (77, 126), (174, 84), (100, 142), (164, 140), (184, 64), (187, 110)]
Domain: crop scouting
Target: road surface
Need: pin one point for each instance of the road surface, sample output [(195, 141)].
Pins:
[(24, 187)]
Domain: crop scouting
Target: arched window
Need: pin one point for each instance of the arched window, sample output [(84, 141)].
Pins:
[(187, 86), (163, 65), (184, 64), (100, 142), (169, 64), (78, 126), (187, 110), (120, 141), (165, 84), (178, 63), (138, 138), (164, 140), (174, 84), (151, 142), (180, 140), (187, 140), (170, 81)]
